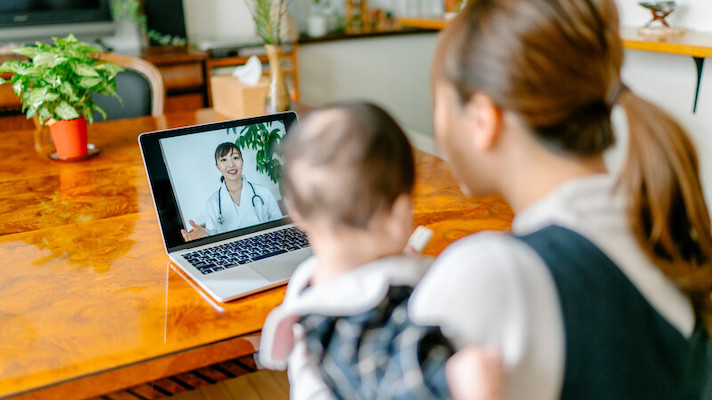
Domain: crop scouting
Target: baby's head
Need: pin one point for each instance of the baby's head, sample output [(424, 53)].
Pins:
[(347, 164)]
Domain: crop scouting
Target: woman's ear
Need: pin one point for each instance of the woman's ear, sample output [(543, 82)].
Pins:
[(484, 120)]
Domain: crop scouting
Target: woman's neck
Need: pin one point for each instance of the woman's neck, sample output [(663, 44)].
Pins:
[(539, 179), (234, 187)]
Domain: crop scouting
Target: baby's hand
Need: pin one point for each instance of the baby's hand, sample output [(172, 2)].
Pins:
[(475, 373)]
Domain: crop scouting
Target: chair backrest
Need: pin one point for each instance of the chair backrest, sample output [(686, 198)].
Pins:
[(140, 86)]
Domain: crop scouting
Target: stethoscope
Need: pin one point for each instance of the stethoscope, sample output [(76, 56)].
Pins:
[(255, 196)]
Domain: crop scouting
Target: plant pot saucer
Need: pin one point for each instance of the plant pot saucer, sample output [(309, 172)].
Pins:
[(92, 150)]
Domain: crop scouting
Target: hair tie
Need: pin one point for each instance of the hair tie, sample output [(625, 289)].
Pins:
[(615, 94)]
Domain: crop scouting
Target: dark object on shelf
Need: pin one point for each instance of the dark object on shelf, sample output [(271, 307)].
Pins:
[(166, 23)]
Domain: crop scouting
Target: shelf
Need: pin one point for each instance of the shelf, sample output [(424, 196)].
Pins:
[(692, 43), (435, 22), (698, 45)]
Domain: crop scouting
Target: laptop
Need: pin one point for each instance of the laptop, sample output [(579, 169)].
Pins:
[(216, 189)]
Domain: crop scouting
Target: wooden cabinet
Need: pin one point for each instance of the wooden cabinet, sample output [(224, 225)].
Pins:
[(183, 70)]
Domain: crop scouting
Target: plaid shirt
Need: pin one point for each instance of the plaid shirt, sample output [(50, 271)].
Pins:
[(380, 353)]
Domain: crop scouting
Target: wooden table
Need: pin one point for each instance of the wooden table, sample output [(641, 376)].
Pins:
[(90, 303)]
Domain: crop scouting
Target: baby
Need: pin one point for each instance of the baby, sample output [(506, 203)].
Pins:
[(343, 329)]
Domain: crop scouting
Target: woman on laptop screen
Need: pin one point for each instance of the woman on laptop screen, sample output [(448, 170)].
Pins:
[(238, 203)]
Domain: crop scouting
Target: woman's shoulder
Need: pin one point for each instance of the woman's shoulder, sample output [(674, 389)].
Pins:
[(259, 188), (214, 195), (483, 251), (486, 265), (488, 285)]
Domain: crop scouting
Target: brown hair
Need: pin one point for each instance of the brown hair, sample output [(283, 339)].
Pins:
[(224, 149), (555, 64), (347, 162)]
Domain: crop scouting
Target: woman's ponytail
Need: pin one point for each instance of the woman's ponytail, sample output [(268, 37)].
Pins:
[(667, 210), (556, 65)]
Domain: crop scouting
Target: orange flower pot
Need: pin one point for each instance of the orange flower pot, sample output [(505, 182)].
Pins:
[(70, 138)]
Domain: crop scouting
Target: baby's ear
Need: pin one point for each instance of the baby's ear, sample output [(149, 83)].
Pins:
[(403, 206), (297, 218), (400, 218)]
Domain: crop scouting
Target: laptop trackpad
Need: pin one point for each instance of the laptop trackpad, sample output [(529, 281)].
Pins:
[(281, 267), (235, 280)]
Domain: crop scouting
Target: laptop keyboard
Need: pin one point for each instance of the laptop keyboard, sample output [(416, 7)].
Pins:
[(247, 250)]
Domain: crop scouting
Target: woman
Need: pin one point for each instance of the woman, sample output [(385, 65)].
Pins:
[(238, 203), (602, 291)]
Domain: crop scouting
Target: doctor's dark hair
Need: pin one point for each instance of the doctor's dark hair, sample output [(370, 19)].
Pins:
[(347, 162), (554, 65), (224, 149)]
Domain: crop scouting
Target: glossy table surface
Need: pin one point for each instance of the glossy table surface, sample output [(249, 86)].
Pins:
[(89, 302)]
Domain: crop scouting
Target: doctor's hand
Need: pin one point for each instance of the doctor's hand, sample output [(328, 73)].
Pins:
[(196, 233)]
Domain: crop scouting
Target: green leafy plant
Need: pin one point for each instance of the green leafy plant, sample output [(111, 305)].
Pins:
[(58, 80), (267, 15), (265, 140)]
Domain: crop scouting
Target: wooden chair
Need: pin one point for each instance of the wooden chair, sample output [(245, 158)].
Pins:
[(141, 88)]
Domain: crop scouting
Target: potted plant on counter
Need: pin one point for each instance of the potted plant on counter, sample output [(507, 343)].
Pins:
[(56, 85)]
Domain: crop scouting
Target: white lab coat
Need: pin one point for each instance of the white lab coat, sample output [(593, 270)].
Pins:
[(248, 213)]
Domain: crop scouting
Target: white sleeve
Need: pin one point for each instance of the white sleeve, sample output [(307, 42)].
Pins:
[(305, 381), (211, 214), (492, 290)]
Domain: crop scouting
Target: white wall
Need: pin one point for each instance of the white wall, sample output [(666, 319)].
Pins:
[(217, 20), (393, 72)]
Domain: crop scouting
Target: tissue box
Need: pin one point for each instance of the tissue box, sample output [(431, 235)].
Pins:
[(235, 99)]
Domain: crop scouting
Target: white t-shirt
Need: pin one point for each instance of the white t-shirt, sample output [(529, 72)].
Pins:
[(491, 289)]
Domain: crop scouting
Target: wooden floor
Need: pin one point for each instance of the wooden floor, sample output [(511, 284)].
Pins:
[(260, 385)]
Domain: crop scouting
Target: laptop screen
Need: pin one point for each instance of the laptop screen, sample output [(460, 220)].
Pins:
[(217, 180)]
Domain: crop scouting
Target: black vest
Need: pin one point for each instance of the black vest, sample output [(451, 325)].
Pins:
[(617, 345)]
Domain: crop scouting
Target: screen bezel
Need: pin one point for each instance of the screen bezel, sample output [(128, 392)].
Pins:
[(164, 199)]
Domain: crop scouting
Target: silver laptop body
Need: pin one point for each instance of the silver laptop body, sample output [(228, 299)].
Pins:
[(237, 259)]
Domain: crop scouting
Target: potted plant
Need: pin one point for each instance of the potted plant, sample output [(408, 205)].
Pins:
[(268, 15), (317, 24), (56, 85)]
